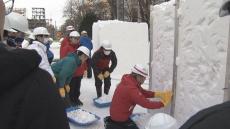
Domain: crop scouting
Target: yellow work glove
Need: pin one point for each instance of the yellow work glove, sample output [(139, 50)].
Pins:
[(162, 94), (167, 99), (100, 76), (62, 92), (67, 88), (54, 79), (106, 74)]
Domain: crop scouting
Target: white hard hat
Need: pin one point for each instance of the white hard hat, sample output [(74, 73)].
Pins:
[(40, 31), (7, 26), (31, 36), (51, 40), (18, 22), (74, 34), (161, 121), (139, 69), (83, 32), (69, 28), (84, 49), (106, 45), (225, 9)]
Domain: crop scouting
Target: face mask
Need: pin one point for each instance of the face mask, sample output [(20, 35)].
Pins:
[(46, 40), (19, 40), (107, 52), (11, 42)]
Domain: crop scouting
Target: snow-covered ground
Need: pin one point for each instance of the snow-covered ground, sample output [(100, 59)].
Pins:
[(88, 93)]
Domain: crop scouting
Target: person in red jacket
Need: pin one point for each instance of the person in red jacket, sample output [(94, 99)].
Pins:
[(66, 40), (70, 45), (100, 64), (129, 93)]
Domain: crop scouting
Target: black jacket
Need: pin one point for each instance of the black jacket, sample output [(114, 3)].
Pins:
[(215, 117), (28, 97)]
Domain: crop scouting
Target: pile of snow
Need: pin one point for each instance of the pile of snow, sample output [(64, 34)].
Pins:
[(103, 99), (81, 116)]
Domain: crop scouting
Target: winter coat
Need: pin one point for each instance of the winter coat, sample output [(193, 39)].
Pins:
[(28, 97), (214, 117), (127, 94), (64, 69), (100, 61), (49, 53), (41, 50), (69, 48), (86, 41), (66, 47)]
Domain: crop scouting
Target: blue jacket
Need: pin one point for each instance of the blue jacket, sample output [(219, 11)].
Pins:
[(65, 68), (86, 41)]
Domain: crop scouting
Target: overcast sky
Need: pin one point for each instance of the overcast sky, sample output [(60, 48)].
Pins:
[(54, 8)]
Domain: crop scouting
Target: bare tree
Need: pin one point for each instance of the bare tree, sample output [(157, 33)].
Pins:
[(113, 8), (75, 11)]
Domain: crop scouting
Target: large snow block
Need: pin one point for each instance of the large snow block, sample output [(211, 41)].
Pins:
[(202, 54), (130, 43), (162, 29), (203, 40)]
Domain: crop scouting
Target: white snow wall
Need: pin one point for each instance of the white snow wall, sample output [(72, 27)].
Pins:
[(129, 41), (202, 54)]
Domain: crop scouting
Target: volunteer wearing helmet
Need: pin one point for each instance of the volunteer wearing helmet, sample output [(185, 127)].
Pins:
[(19, 24), (72, 45), (65, 68), (29, 99), (75, 83), (39, 44), (66, 40), (129, 93), (102, 68)]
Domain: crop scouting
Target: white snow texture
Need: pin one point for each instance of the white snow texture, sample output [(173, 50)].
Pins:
[(129, 42), (202, 54)]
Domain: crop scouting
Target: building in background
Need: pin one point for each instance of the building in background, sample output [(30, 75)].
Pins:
[(38, 18)]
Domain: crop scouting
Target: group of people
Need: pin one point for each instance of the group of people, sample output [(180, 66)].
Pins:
[(28, 96), (33, 90), (100, 62)]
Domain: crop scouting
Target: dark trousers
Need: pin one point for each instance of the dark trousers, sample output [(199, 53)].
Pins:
[(98, 84), (89, 70), (110, 124), (75, 86)]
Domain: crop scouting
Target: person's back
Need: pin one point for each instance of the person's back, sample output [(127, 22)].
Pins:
[(29, 99)]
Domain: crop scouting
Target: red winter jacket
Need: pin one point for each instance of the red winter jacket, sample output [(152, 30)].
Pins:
[(64, 42), (69, 48), (127, 94)]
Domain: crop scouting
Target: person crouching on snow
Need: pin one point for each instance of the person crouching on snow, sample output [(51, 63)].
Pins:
[(100, 64), (128, 94), (65, 68)]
